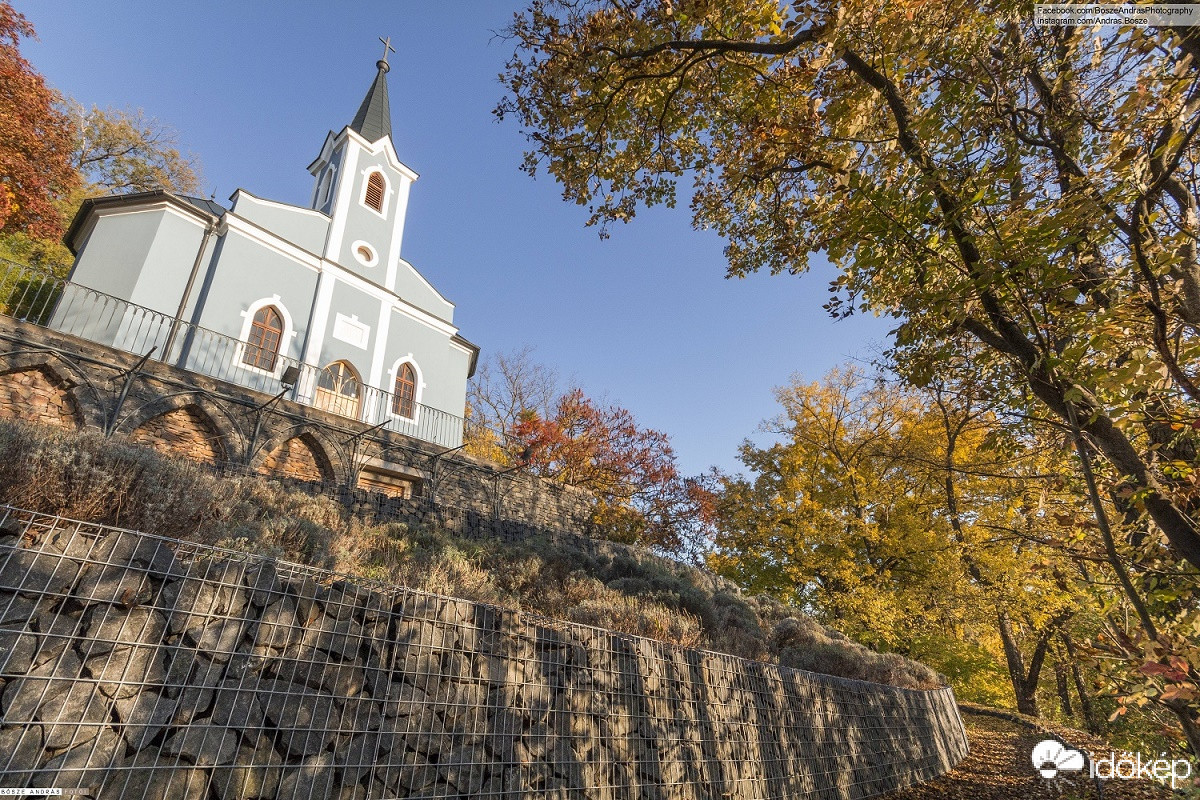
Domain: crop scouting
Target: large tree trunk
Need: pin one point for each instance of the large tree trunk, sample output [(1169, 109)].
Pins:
[(1064, 690), (1086, 710), (1025, 680), (1026, 696), (1190, 725)]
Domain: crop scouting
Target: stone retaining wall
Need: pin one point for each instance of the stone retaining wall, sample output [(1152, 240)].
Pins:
[(55, 378), (136, 666)]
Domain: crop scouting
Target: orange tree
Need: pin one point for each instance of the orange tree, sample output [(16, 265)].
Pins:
[(631, 470), (35, 140)]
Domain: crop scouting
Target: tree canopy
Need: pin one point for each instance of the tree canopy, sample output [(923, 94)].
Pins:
[(982, 179), (35, 139), (901, 518), (518, 415), (127, 151)]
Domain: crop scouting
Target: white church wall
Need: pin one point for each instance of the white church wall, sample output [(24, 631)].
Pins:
[(429, 349), (168, 263), (114, 253), (246, 272), (303, 227)]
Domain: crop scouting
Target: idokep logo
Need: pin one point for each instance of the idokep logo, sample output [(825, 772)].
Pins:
[(1052, 759), (1131, 766)]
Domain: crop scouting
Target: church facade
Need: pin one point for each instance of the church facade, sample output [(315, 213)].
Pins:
[(315, 302)]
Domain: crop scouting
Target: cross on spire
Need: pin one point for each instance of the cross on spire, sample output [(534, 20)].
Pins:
[(387, 45)]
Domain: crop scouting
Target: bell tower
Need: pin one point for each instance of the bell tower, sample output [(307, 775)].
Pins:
[(362, 185)]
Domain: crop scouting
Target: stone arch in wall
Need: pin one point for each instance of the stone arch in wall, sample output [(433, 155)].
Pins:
[(186, 431), (213, 419), (40, 395), (46, 386), (301, 456)]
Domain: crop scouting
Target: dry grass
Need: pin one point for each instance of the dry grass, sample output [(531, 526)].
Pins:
[(85, 476)]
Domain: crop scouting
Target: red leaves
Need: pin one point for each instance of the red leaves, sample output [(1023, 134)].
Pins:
[(601, 449), (628, 468), (35, 139), (1176, 669)]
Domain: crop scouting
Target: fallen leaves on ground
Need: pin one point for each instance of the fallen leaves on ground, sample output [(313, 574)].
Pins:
[(999, 768)]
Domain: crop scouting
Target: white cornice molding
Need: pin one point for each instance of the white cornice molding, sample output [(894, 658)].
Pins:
[(384, 146), (275, 203), (461, 347)]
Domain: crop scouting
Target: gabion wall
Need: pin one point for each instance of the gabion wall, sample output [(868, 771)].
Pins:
[(138, 667)]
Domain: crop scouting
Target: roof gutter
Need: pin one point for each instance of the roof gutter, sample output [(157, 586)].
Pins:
[(176, 323), (119, 200)]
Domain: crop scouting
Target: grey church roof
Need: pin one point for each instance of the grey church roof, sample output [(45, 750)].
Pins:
[(374, 117), (210, 206), (206, 209)]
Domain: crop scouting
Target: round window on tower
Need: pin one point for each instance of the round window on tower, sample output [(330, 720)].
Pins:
[(365, 254)]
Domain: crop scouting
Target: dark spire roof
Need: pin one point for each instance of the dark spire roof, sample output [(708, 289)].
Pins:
[(374, 117)]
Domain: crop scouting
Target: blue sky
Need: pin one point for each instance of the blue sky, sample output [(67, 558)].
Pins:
[(644, 319)]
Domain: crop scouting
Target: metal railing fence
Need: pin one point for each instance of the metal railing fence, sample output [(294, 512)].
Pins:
[(34, 296)]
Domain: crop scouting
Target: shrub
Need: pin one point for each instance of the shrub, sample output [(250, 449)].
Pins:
[(86, 476)]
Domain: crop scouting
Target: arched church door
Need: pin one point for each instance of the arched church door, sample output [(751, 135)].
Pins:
[(339, 389)]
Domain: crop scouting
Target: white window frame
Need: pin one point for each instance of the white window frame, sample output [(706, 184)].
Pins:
[(289, 332), (417, 394), (374, 253), (326, 190), (387, 191)]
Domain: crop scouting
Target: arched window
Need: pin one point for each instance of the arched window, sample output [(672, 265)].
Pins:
[(326, 187), (375, 191), (404, 394), (262, 343), (339, 389)]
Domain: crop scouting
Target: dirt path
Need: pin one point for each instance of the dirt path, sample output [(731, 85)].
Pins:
[(999, 768)]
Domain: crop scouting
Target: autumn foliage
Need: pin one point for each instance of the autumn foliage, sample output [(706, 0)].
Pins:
[(631, 470), (1022, 193), (35, 139)]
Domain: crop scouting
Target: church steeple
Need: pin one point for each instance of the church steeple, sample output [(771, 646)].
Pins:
[(362, 186), (374, 118)]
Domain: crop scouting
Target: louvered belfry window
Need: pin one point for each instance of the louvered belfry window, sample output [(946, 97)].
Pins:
[(375, 187), (262, 345), (405, 394)]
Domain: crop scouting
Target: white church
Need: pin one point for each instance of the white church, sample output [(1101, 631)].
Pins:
[(314, 300)]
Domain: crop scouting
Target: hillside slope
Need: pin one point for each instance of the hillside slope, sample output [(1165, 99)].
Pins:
[(84, 476)]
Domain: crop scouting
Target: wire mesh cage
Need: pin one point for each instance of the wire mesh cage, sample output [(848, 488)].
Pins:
[(134, 666)]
